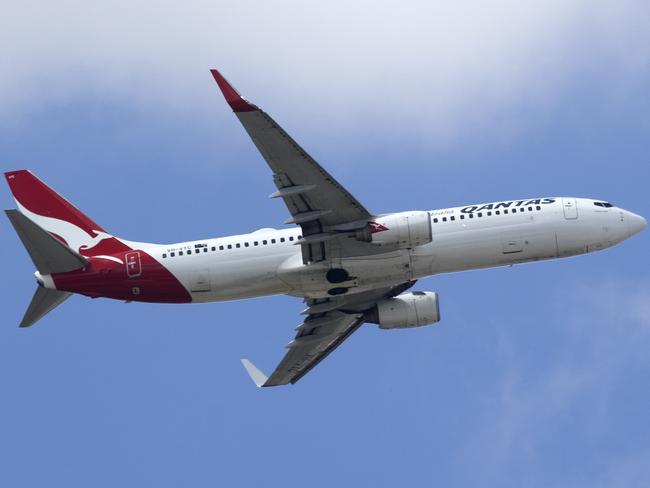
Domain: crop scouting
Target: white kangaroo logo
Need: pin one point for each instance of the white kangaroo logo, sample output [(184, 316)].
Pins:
[(75, 237)]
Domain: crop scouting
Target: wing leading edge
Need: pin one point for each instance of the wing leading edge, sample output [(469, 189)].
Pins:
[(322, 207)]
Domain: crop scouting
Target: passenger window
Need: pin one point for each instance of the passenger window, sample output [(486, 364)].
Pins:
[(489, 214), (264, 242), (435, 221), (171, 254), (530, 209), (238, 245), (245, 244), (272, 241), (229, 246), (452, 218), (164, 255), (471, 216), (462, 217), (480, 214), (281, 239), (444, 219), (214, 248), (220, 248), (256, 243), (497, 212), (180, 253), (291, 238), (538, 207), (505, 211)]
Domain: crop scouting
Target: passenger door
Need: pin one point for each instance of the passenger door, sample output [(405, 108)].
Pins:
[(570, 207)]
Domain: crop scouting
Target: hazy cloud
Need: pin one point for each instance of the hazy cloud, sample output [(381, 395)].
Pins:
[(606, 335), (429, 69)]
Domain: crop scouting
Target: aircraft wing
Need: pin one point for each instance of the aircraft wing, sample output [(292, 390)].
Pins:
[(329, 322), (316, 201)]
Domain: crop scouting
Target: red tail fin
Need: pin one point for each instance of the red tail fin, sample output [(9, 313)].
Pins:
[(56, 215)]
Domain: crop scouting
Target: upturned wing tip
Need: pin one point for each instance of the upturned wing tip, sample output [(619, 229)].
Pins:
[(256, 375), (232, 96)]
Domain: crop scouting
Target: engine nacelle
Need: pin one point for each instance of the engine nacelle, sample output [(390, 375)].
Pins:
[(404, 229), (406, 310)]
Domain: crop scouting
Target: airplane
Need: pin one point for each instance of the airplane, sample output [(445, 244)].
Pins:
[(349, 265)]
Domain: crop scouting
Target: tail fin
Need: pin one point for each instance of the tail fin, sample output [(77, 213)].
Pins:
[(53, 213), (44, 301)]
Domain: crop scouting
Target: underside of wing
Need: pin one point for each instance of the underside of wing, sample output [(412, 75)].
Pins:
[(323, 208), (329, 322), (316, 338)]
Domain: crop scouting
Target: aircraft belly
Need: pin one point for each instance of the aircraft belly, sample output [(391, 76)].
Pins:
[(487, 247), (231, 279), (365, 273), (393, 267)]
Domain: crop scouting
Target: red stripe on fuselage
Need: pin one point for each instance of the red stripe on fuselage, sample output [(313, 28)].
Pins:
[(107, 278)]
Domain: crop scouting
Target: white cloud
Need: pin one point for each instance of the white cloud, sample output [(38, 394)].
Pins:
[(429, 69)]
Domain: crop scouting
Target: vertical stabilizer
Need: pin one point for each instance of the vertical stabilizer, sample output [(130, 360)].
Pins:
[(44, 300), (53, 213)]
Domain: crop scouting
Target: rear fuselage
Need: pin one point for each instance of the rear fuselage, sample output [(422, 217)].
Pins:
[(269, 261)]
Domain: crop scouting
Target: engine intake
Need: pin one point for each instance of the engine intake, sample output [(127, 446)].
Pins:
[(406, 310), (404, 230)]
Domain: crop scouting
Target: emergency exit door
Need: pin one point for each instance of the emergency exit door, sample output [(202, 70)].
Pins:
[(132, 262)]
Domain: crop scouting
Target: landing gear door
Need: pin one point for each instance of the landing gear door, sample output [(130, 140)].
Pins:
[(570, 207)]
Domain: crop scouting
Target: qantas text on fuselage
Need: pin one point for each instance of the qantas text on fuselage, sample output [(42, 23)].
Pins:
[(349, 265)]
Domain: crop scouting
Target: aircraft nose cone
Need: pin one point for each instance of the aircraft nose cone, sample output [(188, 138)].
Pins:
[(636, 223)]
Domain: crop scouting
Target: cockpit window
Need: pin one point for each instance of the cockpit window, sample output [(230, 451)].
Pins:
[(603, 204)]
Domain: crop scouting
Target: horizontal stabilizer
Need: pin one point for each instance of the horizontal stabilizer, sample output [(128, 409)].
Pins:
[(256, 375), (44, 300), (48, 253)]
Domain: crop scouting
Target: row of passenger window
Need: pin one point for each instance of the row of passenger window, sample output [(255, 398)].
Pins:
[(488, 213), (238, 245)]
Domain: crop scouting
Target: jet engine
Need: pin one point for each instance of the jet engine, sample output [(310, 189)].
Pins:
[(404, 230), (406, 310)]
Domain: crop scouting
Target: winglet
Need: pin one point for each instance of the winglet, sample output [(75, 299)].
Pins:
[(232, 96), (256, 375)]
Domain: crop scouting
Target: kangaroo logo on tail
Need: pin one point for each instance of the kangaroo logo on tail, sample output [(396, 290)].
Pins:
[(53, 213), (74, 237)]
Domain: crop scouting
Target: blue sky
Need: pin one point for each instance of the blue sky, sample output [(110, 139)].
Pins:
[(536, 375)]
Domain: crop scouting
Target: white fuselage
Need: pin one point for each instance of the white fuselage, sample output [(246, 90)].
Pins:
[(268, 261)]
